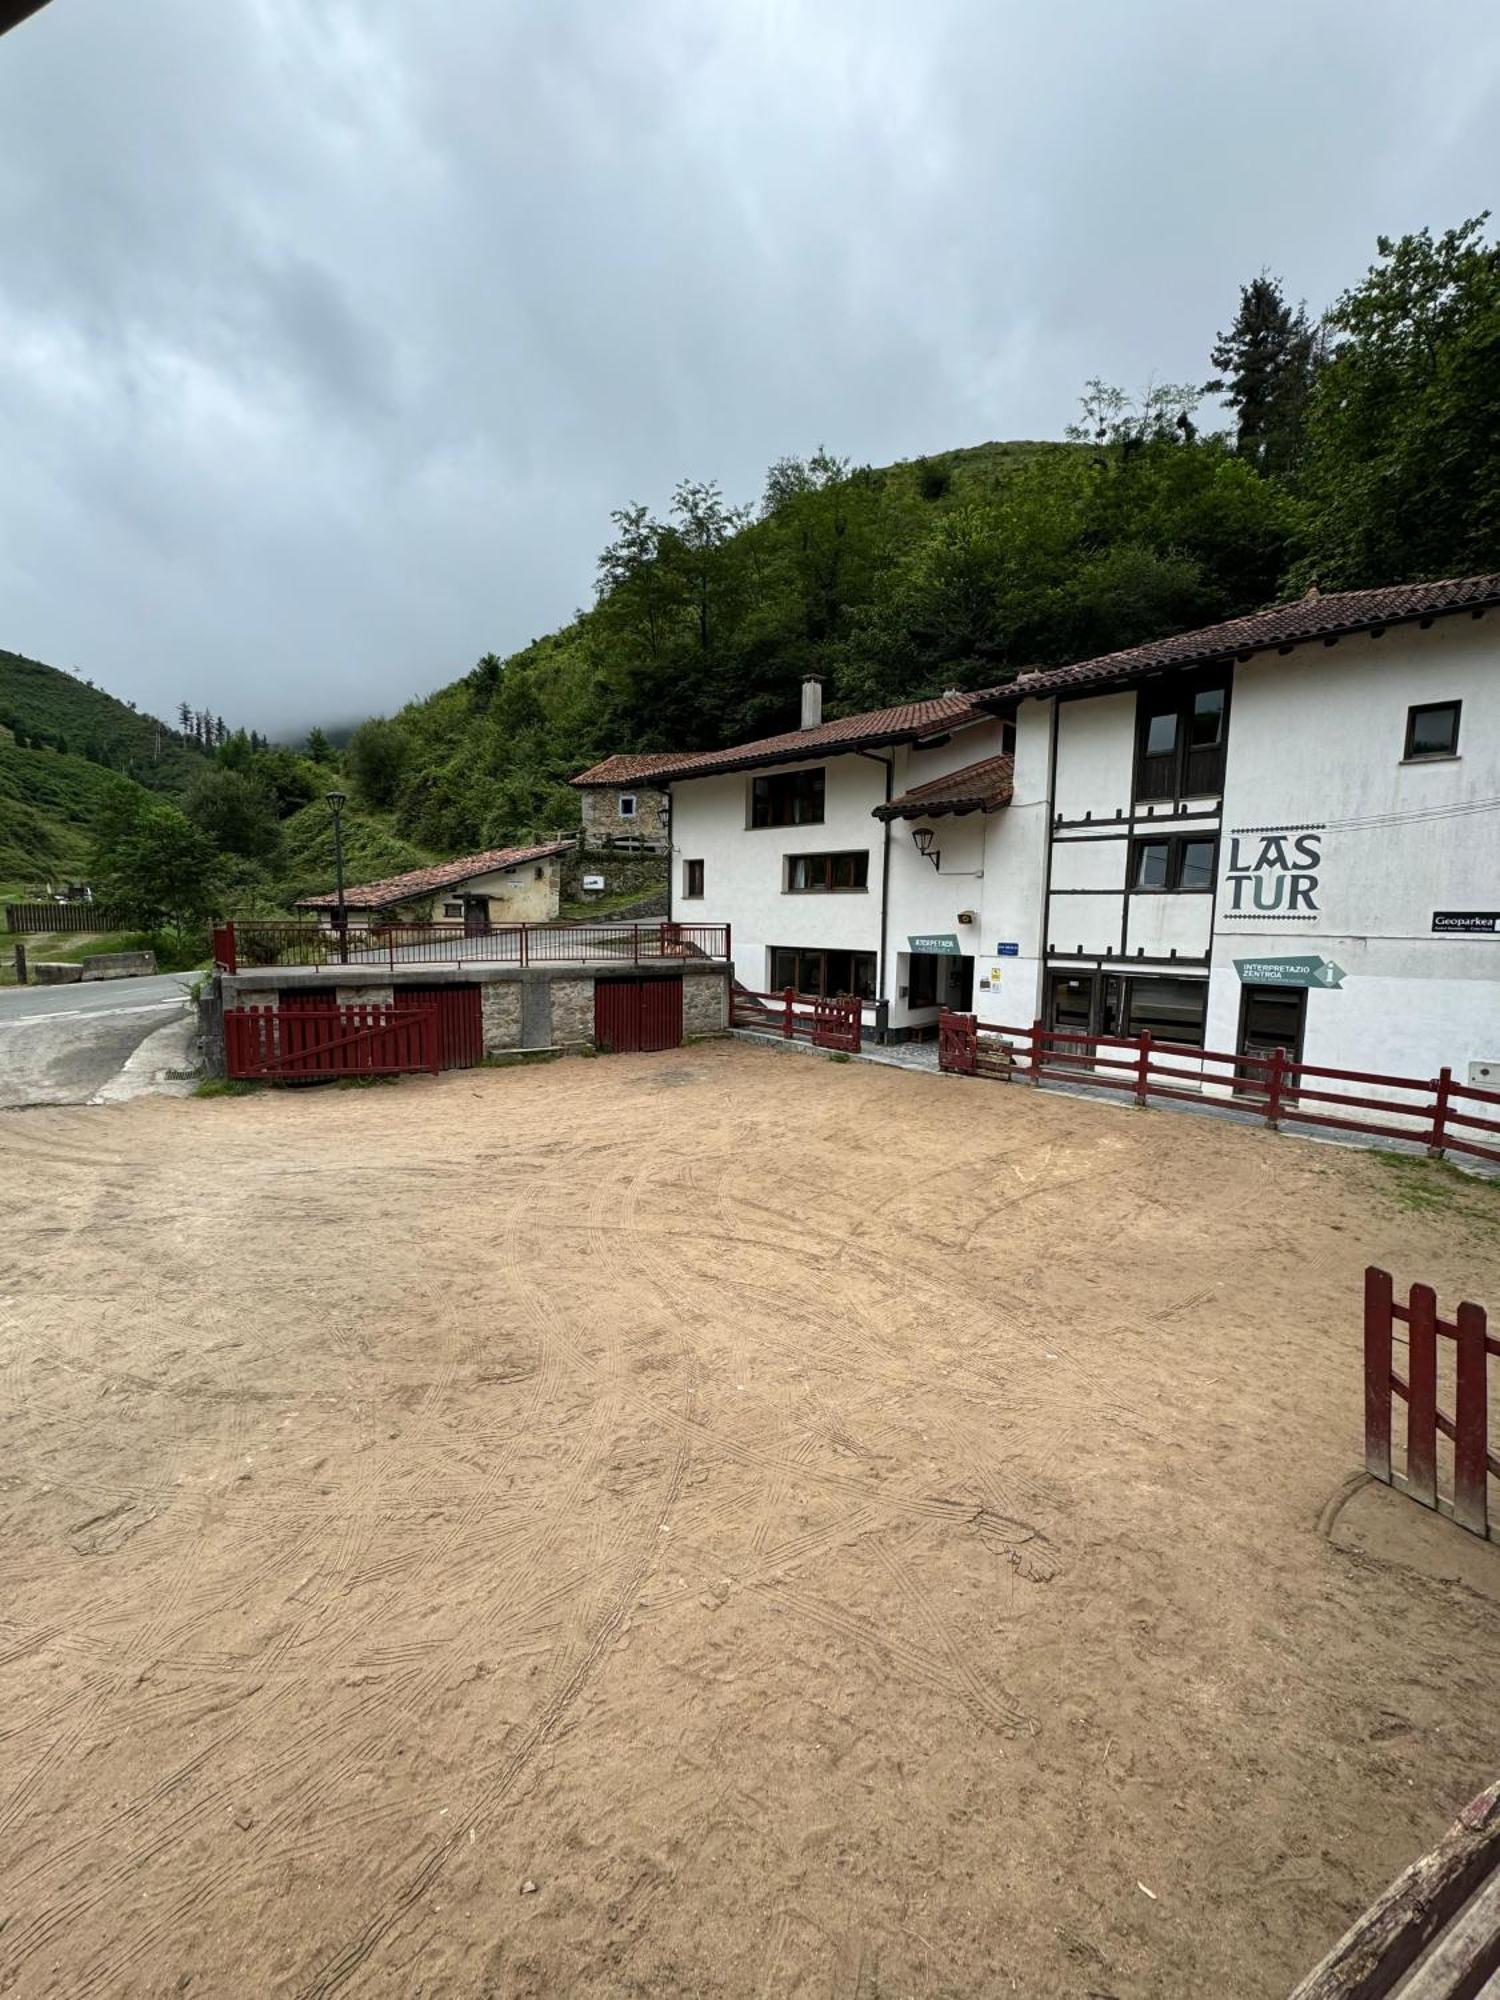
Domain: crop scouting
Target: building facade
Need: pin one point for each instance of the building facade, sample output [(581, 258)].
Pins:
[(622, 808), (504, 885), (1283, 832)]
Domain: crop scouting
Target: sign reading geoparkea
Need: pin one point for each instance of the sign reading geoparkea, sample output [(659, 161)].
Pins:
[(939, 944), (1466, 923)]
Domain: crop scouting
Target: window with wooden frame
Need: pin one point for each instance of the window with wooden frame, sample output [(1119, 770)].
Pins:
[(823, 974), (1181, 732), (1178, 864), (787, 798), (692, 880), (1431, 730), (826, 874)]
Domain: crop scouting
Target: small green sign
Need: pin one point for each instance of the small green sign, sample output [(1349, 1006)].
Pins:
[(1289, 972), (941, 944)]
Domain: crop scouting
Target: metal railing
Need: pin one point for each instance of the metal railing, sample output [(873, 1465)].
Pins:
[(249, 943)]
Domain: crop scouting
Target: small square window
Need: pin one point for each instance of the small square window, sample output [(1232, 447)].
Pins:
[(1432, 729), (627, 805)]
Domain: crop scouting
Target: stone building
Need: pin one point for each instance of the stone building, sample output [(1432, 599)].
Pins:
[(622, 808)]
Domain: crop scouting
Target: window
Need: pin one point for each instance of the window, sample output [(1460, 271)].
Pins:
[(627, 805), (824, 973), (1432, 730), (453, 909), (1183, 862), (538, 872), (810, 874), (787, 798), (1180, 740), (1169, 1010), (692, 878)]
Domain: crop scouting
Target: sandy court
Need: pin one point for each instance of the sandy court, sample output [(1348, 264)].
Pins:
[(833, 1531)]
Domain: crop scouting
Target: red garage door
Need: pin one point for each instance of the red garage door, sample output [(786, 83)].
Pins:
[(632, 1014), (460, 1023)]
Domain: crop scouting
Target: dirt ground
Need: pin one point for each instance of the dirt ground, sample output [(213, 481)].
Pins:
[(718, 1523)]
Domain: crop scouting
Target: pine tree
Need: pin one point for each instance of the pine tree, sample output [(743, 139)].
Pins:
[(185, 718), (1270, 359)]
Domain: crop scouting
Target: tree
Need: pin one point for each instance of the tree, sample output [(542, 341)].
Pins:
[(704, 527), (318, 747), (184, 717), (635, 593), (378, 752), (1269, 358), (236, 811), (153, 863), (1402, 474)]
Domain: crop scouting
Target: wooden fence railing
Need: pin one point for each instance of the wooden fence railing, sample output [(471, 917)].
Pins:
[(1467, 1429), (828, 1023), (1436, 1113), (27, 919)]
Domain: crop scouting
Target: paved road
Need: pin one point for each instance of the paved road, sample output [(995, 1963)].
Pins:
[(94, 1044)]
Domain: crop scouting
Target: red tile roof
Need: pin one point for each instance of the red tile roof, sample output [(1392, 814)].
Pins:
[(424, 881), (1337, 615), (981, 787), (902, 724), (625, 768)]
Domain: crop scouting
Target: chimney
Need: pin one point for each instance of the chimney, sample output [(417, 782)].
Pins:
[(812, 701)]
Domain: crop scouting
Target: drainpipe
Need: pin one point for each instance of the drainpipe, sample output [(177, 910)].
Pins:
[(888, 766)]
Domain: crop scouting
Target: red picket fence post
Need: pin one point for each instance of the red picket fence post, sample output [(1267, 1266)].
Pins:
[(787, 1026), (1143, 1071), (1441, 1090), (1379, 1322), (1421, 1396), (1036, 1052), (1471, 1458)]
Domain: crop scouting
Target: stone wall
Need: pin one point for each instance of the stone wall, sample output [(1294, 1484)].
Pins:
[(603, 821), (500, 1011), (572, 1012), (705, 1004)]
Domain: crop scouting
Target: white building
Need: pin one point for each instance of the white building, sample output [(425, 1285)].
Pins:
[(1280, 831)]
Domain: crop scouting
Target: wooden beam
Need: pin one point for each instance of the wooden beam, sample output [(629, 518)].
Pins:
[(1368, 1960)]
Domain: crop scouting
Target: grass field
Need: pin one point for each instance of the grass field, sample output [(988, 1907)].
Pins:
[(712, 1524)]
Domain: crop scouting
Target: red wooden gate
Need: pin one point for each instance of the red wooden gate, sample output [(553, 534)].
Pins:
[(636, 1014), (837, 1024), (1467, 1429), (460, 1022), (273, 1044), (958, 1043)]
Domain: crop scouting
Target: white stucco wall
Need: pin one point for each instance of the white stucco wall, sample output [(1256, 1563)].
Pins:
[(1316, 740)]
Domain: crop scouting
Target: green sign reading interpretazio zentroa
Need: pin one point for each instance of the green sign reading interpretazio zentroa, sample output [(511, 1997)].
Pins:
[(1289, 972), (939, 944)]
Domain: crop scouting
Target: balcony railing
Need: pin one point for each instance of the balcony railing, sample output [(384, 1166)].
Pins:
[(249, 944)]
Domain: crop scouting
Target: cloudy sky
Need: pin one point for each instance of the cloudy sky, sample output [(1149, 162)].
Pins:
[(333, 329)]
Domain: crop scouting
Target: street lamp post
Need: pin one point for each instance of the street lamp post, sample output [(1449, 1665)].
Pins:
[(336, 804)]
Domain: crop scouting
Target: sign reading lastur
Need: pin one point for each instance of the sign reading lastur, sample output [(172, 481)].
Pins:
[(1273, 871)]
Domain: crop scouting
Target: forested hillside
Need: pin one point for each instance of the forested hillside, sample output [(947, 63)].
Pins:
[(1360, 447)]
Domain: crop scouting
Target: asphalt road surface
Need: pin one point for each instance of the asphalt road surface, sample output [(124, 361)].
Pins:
[(95, 1043)]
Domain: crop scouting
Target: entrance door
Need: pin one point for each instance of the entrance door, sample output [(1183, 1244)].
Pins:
[(1271, 1018)]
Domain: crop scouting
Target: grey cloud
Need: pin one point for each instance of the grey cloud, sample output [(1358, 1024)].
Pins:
[(333, 331)]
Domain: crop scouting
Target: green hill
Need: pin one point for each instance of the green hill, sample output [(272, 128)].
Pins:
[(47, 807), (55, 710)]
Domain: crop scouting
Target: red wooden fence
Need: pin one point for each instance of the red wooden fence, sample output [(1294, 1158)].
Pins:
[(273, 1044), (1467, 1429), (1437, 1113), (826, 1022)]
